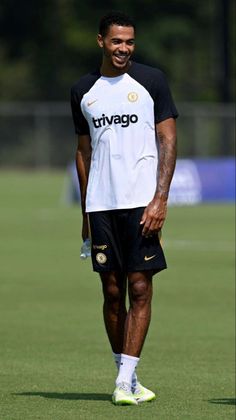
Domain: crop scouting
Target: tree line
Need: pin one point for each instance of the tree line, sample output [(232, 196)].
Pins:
[(46, 45)]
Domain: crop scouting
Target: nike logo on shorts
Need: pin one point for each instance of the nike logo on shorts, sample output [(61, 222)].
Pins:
[(149, 258)]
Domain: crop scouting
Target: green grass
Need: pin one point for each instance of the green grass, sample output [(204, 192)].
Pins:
[(56, 363)]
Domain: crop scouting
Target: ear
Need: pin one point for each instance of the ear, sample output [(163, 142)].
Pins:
[(100, 40)]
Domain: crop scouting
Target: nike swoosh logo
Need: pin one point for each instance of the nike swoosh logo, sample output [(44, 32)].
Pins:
[(92, 102), (149, 258)]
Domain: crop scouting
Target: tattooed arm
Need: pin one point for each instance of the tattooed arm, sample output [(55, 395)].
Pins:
[(155, 213)]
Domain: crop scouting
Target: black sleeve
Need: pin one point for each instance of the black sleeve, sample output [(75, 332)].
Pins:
[(164, 106), (80, 123)]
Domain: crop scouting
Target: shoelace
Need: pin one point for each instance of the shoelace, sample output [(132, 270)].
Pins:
[(125, 387)]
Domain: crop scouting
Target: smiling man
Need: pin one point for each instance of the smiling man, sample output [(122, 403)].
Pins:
[(124, 117), (117, 42)]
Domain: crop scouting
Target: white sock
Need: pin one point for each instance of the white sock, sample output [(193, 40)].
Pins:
[(117, 357), (127, 368), (134, 381)]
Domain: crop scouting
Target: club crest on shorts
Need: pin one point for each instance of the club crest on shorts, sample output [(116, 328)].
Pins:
[(132, 96), (101, 258)]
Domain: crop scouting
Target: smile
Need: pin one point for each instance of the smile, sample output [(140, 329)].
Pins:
[(121, 57)]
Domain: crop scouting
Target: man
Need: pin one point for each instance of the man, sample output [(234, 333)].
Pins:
[(125, 120)]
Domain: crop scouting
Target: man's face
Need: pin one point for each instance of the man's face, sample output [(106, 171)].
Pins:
[(118, 46)]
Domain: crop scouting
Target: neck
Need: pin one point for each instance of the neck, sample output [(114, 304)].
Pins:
[(109, 71)]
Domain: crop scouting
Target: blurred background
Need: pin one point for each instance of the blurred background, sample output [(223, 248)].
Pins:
[(45, 46), (49, 298)]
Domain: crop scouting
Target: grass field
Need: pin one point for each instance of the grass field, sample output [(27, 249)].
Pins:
[(56, 363)]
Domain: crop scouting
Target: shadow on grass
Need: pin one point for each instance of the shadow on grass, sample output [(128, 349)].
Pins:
[(67, 396), (226, 401)]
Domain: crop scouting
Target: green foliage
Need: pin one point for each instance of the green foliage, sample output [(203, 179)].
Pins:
[(47, 45)]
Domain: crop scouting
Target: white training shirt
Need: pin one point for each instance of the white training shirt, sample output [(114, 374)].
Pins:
[(120, 115)]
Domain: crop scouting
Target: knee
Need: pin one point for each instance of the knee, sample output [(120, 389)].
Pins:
[(111, 294), (140, 290), (111, 291)]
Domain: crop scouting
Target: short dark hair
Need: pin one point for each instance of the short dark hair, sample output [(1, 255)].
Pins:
[(114, 18)]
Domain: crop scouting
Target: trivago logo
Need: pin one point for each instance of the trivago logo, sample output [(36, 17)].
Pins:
[(124, 120)]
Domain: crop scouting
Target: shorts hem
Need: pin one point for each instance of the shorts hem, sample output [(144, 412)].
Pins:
[(155, 270)]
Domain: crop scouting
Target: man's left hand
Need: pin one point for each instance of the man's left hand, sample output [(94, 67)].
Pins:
[(154, 216)]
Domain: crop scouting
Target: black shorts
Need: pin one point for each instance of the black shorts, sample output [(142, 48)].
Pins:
[(118, 244)]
